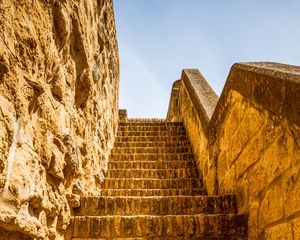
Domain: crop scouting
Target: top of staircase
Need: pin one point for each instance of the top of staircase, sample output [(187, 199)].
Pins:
[(146, 120)]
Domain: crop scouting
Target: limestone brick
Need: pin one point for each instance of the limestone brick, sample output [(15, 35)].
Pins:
[(281, 231)]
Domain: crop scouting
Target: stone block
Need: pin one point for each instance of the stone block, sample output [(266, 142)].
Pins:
[(296, 228), (290, 189), (256, 148), (272, 206), (279, 232)]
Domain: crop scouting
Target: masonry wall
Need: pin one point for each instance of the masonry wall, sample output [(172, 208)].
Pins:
[(59, 74), (250, 144)]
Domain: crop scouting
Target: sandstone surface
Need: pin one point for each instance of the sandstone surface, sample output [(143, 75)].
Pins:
[(247, 142), (59, 76)]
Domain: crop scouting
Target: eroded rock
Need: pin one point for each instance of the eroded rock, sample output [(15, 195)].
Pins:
[(53, 69)]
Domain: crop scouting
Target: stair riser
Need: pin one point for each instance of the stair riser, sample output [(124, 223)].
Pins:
[(149, 124), (152, 133), (157, 173), (180, 205), (151, 138), (152, 157), (152, 144), (166, 238), (114, 183), (150, 165), (146, 150), (151, 192), (150, 128), (164, 226)]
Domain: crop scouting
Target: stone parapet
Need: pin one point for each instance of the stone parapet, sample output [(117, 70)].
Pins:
[(123, 115), (247, 142)]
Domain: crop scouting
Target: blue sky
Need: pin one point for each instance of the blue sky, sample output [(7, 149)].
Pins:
[(159, 38)]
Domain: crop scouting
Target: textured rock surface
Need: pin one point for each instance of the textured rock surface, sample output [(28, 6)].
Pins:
[(251, 146), (58, 110)]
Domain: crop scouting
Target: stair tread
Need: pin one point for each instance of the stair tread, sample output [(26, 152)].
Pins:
[(152, 173), (153, 170), (190, 154), (153, 192), (162, 144), (160, 226), (171, 138), (150, 183), (164, 216), (151, 150), (167, 238), (149, 205), (156, 189), (152, 156), (150, 123), (156, 178), (155, 147), (151, 161), (161, 197)]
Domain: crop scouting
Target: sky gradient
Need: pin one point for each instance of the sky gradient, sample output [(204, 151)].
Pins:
[(159, 38)]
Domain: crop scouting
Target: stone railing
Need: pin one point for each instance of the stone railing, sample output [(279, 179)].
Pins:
[(247, 142)]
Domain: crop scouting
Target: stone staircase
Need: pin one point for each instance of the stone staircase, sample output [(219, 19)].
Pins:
[(152, 190)]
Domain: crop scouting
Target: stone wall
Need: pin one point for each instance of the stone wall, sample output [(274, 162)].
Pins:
[(59, 75), (250, 144)]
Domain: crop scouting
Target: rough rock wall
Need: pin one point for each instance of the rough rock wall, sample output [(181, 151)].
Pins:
[(59, 75), (251, 145)]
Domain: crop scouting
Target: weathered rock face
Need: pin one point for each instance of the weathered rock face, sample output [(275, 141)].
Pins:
[(59, 78)]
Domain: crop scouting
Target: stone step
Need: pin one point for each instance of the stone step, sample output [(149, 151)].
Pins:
[(149, 123), (150, 164), (151, 183), (169, 205), (137, 128), (228, 226), (175, 138), (152, 144), (163, 238), (152, 173), (153, 192), (151, 133), (152, 157), (146, 150)]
